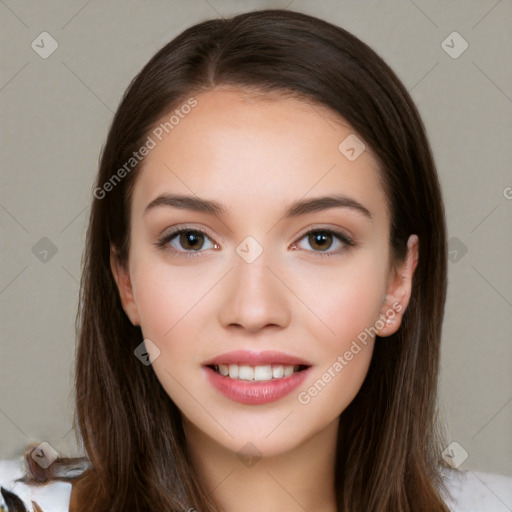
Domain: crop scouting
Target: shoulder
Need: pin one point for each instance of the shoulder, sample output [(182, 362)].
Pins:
[(52, 497), (474, 491)]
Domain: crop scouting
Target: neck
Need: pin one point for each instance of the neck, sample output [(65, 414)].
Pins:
[(295, 481)]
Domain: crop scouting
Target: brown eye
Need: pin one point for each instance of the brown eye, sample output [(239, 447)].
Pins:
[(186, 242), (326, 242), (320, 240), (191, 240)]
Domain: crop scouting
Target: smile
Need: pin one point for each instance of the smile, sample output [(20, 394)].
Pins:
[(257, 373), (256, 378)]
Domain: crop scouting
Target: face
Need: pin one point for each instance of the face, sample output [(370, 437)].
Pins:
[(265, 306)]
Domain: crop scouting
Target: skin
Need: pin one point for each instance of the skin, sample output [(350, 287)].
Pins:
[(256, 157)]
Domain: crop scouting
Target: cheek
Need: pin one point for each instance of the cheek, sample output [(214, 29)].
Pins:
[(171, 309), (167, 295), (344, 300), (348, 303), (349, 306)]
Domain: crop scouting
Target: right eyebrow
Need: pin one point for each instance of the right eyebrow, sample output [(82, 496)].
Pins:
[(187, 203)]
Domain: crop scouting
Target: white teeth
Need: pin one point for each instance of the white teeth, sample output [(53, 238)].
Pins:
[(246, 372), (233, 371), (277, 371), (256, 373), (263, 372), (288, 370)]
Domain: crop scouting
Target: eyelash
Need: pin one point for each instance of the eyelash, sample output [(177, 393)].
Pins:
[(162, 243)]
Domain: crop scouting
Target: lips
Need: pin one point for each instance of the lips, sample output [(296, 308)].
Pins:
[(256, 377), (252, 358)]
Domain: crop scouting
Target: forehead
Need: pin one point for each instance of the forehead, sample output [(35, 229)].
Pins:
[(254, 151)]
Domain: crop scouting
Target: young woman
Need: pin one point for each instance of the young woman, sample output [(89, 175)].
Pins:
[(264, 282)]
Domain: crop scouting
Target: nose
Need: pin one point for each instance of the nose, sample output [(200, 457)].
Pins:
[(255, 296)]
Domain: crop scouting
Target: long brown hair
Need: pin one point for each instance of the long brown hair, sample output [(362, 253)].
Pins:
[(131, 429)]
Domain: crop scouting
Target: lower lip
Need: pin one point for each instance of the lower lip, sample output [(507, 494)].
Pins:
[(255, 392)]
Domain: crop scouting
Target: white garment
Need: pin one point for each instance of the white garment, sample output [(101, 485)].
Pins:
[(472, 491), (53, 497)]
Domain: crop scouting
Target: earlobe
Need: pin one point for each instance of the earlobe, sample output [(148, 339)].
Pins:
[(399, 290), (124, 286)]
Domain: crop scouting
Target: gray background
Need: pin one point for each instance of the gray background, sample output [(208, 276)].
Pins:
[(55, 116)]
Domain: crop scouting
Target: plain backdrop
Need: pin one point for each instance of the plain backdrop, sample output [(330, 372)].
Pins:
[(55, 112)]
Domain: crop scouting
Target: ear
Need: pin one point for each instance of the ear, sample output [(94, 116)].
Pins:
[(399, 288), (124, 285)]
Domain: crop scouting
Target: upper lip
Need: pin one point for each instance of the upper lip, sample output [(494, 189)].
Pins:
[(255, 358)]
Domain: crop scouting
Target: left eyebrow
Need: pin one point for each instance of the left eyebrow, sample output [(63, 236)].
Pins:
[(324, 203), (296, 209)]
